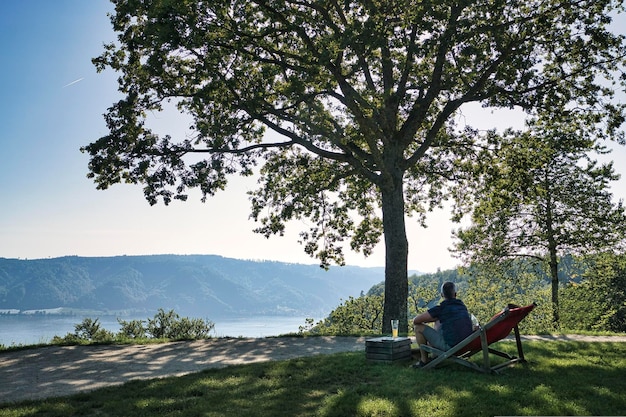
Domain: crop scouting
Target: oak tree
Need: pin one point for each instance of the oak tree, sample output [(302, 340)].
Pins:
[(359, 97)]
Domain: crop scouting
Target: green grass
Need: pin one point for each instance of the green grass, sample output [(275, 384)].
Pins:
[(561, 378)]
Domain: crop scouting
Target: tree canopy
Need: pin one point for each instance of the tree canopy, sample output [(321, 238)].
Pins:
[(360, 97)]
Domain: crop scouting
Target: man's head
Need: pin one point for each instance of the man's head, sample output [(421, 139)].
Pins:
[(448, 290)]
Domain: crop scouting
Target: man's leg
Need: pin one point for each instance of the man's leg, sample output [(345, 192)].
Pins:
[(421, 340)]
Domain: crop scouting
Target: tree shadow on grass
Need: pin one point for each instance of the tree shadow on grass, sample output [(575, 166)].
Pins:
[(561, 378), (564, 378)]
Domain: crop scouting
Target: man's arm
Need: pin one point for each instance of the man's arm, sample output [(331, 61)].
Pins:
[(424, 317)]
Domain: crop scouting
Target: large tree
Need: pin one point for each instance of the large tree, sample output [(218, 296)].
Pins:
[(360, 96), (541, 196)]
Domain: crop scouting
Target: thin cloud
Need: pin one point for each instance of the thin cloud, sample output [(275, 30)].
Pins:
[(74, 82)]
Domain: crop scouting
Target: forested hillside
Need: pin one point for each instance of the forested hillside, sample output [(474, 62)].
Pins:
[(195, 285)]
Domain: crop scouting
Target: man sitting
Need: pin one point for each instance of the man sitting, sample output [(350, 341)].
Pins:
[(454, 323)]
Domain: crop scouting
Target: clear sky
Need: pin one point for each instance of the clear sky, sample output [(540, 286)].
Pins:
[(52, 104)]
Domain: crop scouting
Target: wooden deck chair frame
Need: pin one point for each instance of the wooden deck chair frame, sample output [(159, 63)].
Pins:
[(499, 327)]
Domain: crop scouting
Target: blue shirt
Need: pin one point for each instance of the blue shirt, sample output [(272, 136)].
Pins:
[(456, 323)]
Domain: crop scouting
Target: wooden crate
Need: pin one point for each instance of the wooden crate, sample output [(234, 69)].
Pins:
[(388, 349)]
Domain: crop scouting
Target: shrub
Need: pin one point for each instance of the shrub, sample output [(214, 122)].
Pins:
[(164, 325), (88, 330), (191, 329), (133, 329), (169, 325)]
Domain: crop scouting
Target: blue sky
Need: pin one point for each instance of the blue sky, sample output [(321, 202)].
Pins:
[(53, 101)]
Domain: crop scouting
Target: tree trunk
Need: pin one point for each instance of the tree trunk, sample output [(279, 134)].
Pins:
[(554, 276), (552, 253), (396, 255)]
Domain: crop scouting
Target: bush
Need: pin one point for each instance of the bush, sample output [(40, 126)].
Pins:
[(133, 329), (169, 325), (88, 331), (164, 325), (191, 329)]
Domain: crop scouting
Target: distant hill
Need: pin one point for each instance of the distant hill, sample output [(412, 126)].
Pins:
[(193, 285)]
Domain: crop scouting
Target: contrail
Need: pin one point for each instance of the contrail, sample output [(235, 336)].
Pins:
[(74, 82)]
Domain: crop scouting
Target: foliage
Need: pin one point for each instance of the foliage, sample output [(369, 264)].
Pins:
[(193, 328), (542, 196), (543, 187), (88, 331), (422, 296), (164, 325), (133, 329), (361, 315), (188, 329), (490, 291), (359, 99), (169, 325), (598, 302), (91, 330), (485, 292), (562, 378)]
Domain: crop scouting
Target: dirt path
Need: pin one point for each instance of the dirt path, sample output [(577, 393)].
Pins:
[(58, 371)]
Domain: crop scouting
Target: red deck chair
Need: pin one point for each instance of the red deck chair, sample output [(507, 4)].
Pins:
[(499, 327)]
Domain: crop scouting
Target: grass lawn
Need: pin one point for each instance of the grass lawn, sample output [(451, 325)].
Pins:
[(561, 378)]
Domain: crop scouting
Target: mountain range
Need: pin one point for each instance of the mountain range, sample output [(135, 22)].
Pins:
[(192, 285)]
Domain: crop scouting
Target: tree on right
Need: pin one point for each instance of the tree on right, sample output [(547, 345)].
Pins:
[(540, 194)]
